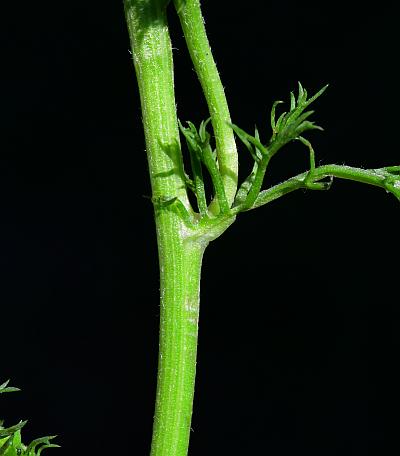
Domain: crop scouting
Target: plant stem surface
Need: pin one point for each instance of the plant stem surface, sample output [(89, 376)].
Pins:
[(180, 256), (200, 52)]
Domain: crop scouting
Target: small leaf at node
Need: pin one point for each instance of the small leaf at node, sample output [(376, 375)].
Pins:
[(273, 114), (292, 101)]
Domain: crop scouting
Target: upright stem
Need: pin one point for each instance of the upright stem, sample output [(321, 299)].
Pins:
[(200, 52), (180, 285), (152, 56), (179, 256)]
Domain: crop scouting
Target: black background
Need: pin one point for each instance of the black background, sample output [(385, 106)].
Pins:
[(299, 333)]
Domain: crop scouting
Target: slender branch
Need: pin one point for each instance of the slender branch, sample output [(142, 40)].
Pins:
[(257, 182), (381, 177), (217, 180), (200, 52)]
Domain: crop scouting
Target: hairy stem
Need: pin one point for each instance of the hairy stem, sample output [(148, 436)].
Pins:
[(257, 183), (152, 56), (366, 176), (180, 288), (179, 257), (200, 52)]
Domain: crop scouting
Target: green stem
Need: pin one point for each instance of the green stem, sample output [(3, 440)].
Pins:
[(366, 176), (180, 285), (200, 52), (258, 181), (152, 56), (179, 256)]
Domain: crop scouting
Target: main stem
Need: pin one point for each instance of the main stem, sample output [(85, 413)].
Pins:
[(179, 256), (180, 285)]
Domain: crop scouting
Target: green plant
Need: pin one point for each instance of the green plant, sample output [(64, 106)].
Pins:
[(183, 231), (10, 437)]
